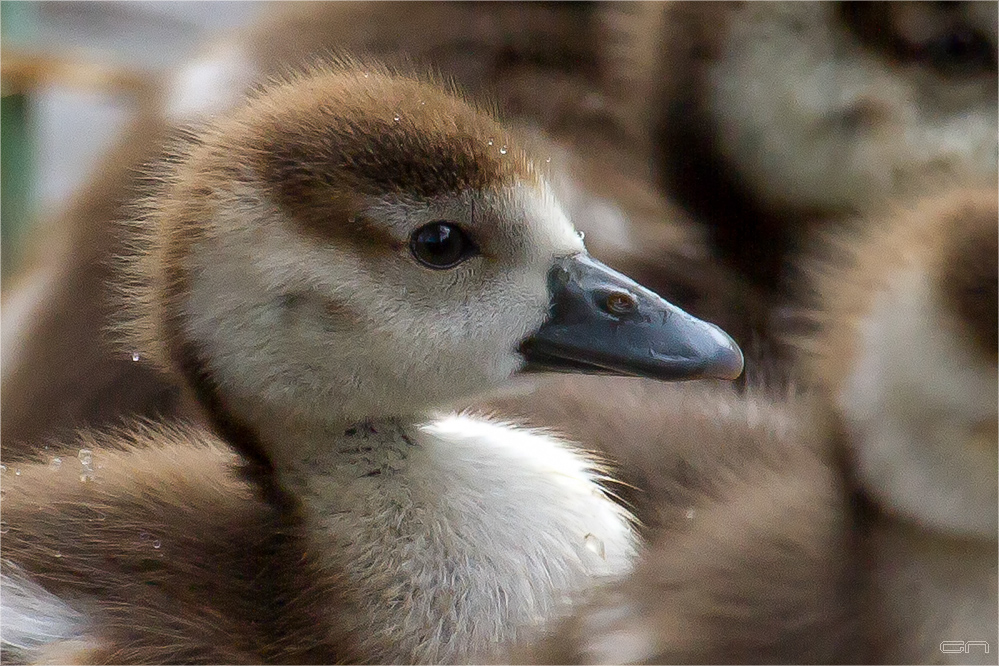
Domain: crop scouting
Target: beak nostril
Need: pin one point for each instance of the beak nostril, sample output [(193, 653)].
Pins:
[(621, 303)]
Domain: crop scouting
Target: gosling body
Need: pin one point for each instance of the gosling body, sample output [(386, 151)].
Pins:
[(906, 351), (347, 252)]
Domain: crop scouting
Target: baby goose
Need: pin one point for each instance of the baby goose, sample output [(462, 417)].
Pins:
[(771, 115), (906, 350), (59, 370), (541, 63), (322, 267)]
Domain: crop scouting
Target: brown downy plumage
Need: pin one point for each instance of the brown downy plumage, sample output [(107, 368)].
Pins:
[(323, 267), (904, 347), (773, 116), (163, 552), (547, 66)]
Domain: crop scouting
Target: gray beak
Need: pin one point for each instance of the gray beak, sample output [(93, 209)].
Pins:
[(602, 322)]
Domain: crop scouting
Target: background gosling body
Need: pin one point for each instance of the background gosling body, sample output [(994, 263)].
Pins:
[(857, 526), (905, 351)]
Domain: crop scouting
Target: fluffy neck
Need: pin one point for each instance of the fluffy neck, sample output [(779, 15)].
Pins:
[(335, 466), (451, 537)]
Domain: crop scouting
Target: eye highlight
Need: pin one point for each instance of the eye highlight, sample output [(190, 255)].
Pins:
[(441, 245)]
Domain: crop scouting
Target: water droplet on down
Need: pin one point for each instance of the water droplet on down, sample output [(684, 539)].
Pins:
[(595, 544)]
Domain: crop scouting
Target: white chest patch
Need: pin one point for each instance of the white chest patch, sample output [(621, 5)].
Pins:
[(461, 532)]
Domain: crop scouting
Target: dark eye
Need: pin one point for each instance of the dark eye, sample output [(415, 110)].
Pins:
[(441, 245)]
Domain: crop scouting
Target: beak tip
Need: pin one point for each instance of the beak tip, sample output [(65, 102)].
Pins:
[(727, 362)]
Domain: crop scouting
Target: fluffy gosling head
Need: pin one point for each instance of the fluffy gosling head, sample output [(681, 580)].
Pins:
[(860, 102), (907, 350), (353, 244)]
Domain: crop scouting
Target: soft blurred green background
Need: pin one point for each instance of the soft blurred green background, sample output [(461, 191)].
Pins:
[(17, 20)]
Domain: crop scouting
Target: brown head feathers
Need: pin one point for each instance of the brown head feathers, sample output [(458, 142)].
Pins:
[(317, 144)]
